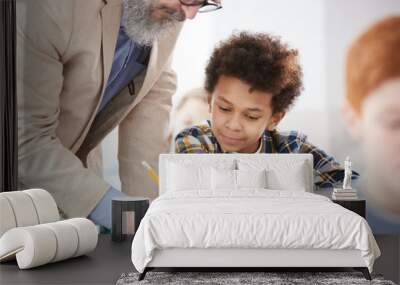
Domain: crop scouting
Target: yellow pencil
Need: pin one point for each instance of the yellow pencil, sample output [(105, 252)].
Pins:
[(151, 172)]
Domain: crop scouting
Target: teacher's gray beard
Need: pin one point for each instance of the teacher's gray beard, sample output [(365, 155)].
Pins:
[(139, 25)]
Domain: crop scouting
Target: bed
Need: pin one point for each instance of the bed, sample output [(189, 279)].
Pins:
[(247, 211)]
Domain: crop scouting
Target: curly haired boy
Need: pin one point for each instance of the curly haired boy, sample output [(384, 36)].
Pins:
[(252, 79)]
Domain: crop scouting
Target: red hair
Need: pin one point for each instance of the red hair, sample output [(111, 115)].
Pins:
[(373, 59)]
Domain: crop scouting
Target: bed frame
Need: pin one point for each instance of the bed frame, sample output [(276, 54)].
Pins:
[(234, 259), (249, 259)]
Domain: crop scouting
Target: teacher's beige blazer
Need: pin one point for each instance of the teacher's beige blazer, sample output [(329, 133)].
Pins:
[(65, 50)]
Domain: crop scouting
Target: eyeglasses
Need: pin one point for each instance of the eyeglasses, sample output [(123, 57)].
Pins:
[(205, 5)]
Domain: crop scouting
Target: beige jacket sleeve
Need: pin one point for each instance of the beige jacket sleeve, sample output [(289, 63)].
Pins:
[(142, 136), (43, 161)]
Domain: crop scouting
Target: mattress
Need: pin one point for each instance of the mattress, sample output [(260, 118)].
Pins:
[(251, 219)]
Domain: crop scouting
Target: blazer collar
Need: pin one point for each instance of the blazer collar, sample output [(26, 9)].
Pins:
[(160, 55), (111, 20)]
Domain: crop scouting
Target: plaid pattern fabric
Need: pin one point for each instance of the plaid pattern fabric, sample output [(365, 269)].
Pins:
[(327, 172)]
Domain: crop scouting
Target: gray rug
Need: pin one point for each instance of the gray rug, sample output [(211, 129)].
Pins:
[(230, 278)]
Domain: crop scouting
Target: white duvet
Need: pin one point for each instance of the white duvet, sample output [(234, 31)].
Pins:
[(253, 218)]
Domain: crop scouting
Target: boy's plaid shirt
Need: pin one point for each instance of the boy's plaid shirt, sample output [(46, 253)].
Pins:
[(327, 172)]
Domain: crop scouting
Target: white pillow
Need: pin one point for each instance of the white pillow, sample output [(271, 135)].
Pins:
[(227, 179), (291, 178), (282, 173), (223, 179), (188, 177), (251, 178)]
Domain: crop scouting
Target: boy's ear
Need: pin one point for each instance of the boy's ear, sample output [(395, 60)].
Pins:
[(352, 120), (275, 119), (209, 98)]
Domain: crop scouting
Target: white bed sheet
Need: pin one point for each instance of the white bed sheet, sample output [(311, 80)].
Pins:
[(251, 218)]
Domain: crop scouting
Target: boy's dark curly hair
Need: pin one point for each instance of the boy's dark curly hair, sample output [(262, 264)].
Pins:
[(260, 60)]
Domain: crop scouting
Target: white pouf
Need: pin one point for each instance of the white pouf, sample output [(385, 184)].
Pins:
[(31, 232)]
